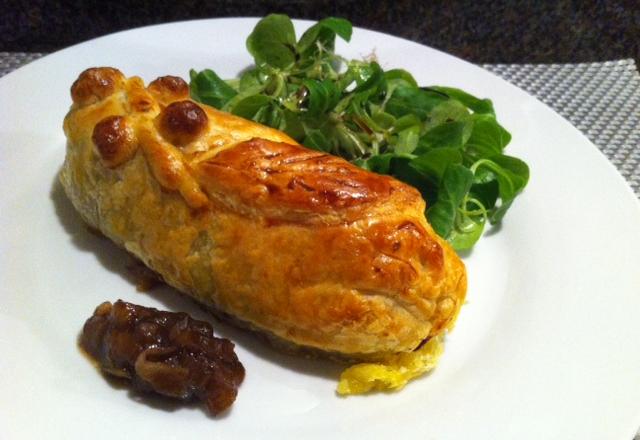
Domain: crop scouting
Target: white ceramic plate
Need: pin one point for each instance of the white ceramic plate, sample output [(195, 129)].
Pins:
[(548, 345)]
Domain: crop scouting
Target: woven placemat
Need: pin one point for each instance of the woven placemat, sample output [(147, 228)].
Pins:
[(10, 61), (601, 99)]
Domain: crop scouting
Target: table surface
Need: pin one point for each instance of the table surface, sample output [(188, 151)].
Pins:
[(482, 31)]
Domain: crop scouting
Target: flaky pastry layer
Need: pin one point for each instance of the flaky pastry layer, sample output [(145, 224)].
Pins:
[(290, 241)]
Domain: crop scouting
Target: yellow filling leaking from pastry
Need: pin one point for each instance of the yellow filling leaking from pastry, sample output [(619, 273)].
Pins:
[(393, 373)]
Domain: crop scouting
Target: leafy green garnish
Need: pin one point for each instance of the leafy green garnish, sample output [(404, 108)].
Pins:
[(442, 140), (273, 42), (207, 87)]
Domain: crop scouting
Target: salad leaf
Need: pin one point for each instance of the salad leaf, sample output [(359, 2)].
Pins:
[(434, 163), (456, 182), (273, 41), (487, 137), (408, 139), (465, 235), (250, 106), (443, 141), (511, 175), (446, 135), (318, 140), (331, 27), (400, 77), (250, 80), (322, 96), (207, 87), (475, 104), (407, 100)]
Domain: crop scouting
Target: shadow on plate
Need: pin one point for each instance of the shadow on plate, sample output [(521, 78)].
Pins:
[(83, 238), (118, 261)]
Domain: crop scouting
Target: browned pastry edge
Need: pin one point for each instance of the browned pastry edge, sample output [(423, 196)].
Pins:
[(291, 241)]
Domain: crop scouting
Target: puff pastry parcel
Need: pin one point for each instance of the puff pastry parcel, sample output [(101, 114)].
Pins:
[(289, 241)]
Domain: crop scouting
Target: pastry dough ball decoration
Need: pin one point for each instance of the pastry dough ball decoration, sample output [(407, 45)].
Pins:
[(182, 122), (167, 89), (115, 140), (95, 84)]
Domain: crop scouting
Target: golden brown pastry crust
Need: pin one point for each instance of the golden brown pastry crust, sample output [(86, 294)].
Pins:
[(290, 241)]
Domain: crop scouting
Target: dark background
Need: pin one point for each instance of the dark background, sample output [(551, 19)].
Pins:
[(480, 31)]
